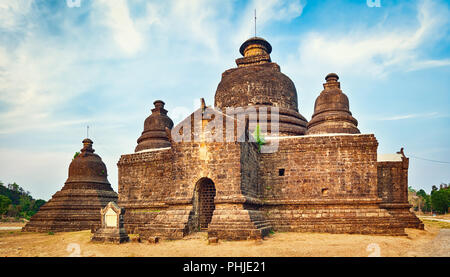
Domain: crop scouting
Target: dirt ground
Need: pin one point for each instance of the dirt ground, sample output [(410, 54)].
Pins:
[(433, 241)]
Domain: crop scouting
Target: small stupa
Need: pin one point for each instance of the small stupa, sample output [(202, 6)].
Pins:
[(154, 134), (76, 206), (331, 111)]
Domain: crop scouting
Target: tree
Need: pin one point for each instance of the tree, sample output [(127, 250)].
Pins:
[(38, 204), (13, 211), (20, 201), (427, 203), (4, 204), (433, 189), (422, 193), (14, 187), (440, 200), (25, 203)]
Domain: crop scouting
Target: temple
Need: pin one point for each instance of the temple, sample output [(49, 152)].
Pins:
[(323, 177), (249, 165)]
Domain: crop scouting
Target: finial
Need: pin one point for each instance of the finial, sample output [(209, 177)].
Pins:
[(87, 131), (87, 146), (332, 81), (159, 107), (255, 23), (332, 77), (202, 104), (159, 104), (255, 43)]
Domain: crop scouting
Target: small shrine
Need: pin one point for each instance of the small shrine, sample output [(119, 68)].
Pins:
[(112, 229)]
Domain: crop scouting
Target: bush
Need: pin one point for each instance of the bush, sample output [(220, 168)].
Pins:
[(440, 200), (20, 203), (4, 204)]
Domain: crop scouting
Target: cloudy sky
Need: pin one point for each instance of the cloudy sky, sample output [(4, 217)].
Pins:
[(102, 64)]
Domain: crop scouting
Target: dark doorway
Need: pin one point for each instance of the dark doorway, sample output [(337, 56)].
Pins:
[(205, 192)]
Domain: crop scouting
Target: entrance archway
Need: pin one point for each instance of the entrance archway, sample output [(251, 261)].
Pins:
[(204, 206)]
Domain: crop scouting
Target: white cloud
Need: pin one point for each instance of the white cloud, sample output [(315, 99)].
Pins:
[(266, 11), (409, 116), (35, 80), (378, 50), (115, 15), (13, 13), (424, 64)]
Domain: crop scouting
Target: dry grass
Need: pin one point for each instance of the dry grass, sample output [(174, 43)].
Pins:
[(440, 216), (16, 243), (438, 224)]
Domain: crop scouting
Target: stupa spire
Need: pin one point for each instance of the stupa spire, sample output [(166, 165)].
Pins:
[(331, 110), (154, 134)]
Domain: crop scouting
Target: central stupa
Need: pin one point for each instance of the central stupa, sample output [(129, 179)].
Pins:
[(258, 82)]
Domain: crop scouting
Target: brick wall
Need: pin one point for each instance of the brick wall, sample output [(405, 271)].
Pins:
[(312, 183), (325, 183), (321, 167), (393, 181), (393, 190)]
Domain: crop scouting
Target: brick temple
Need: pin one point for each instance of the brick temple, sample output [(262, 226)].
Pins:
[(325, 176), (322, 175)]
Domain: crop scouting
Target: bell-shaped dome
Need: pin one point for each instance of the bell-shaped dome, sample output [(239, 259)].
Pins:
[(76, 206), (331, 110), (154, 134), (87, 167), (257, 81)]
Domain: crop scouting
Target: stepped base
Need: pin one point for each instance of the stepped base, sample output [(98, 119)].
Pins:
[(113, 235), (236, 222), (71, 210), (403, 214), (172, 223), (229, 221), (337, 219)]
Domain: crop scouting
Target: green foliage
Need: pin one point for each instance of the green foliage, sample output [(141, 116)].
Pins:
[(437, 201), (76, 155), (51, 233), (38, 204), (433, 189), (440, 200), (21, 204), (4, 204), (421, 193), (259, 138), (425, 201)]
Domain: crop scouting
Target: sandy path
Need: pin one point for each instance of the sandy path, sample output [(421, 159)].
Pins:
[(10, 228), (440, 246), (417, 243)]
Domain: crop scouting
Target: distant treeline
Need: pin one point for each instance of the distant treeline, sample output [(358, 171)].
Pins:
[(438, 201), (18, 203)]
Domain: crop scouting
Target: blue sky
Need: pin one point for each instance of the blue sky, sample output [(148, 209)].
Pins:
[(103, 64)]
